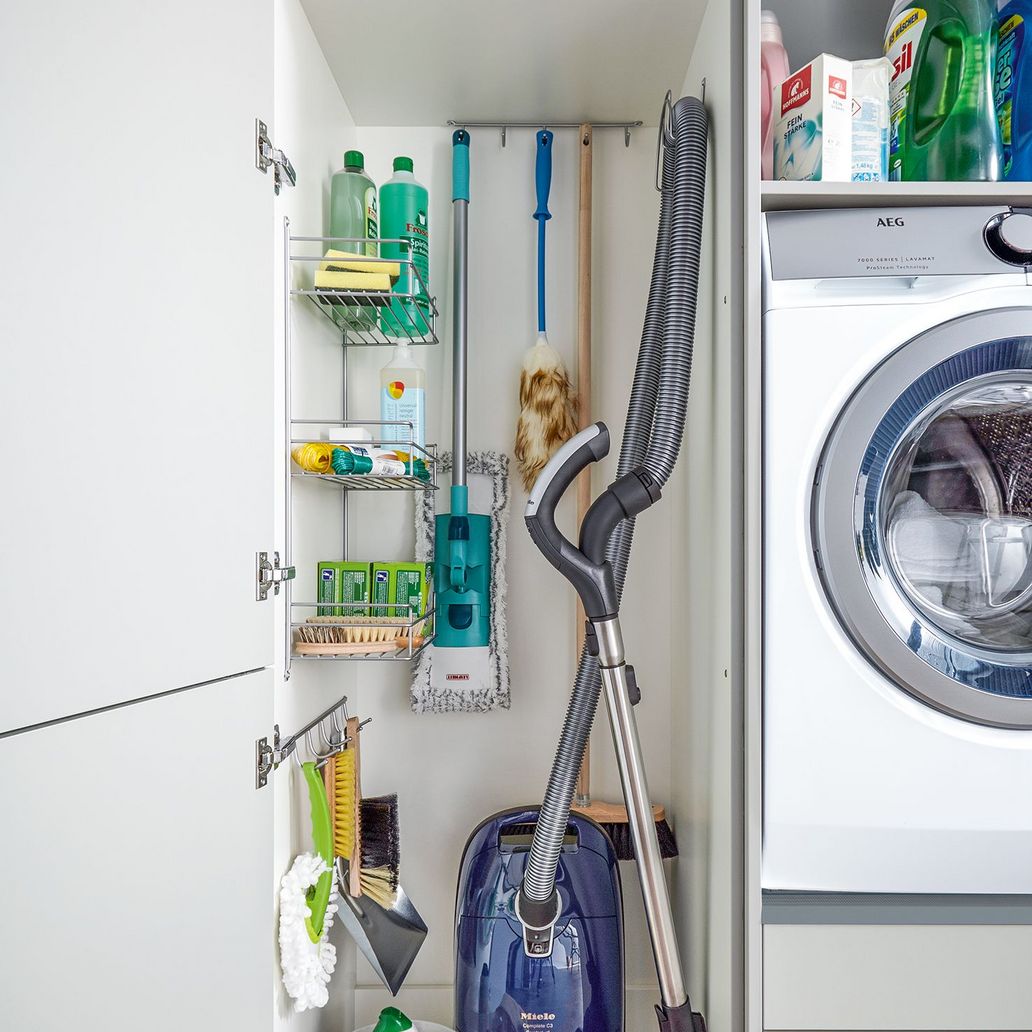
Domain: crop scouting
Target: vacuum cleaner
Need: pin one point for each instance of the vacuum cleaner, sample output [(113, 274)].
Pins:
[(539, 939)]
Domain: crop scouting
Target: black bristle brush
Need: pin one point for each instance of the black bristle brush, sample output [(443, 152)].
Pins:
[(380, 849)]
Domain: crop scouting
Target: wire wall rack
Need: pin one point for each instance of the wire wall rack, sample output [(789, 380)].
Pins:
[(420, 466), (406, 313)]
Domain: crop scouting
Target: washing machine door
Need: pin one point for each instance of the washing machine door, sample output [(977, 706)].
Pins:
[(922, 517)]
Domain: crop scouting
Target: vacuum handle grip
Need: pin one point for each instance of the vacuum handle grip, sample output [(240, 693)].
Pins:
[(593, 581), (460, 165)]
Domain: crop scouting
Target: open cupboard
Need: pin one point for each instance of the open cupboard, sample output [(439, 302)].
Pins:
[(128, 730)]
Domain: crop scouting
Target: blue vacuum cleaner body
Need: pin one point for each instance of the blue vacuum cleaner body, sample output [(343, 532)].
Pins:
[(580, 987)]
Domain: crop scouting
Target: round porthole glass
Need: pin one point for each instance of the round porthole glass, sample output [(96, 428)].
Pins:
[(956, 514)]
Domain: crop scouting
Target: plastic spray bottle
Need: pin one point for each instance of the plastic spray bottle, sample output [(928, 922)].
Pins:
[(774, 70), (944, 124), (1013, 88), (353, 215), (403, 397), (404, 207)]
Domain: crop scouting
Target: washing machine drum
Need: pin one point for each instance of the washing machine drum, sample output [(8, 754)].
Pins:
[(922, 518)]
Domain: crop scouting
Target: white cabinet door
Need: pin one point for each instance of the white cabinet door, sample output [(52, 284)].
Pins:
[(136, 349), (136, 867)]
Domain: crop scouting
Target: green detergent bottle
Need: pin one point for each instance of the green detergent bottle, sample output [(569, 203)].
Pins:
[(944, 125), (404, 213), (353, 215)]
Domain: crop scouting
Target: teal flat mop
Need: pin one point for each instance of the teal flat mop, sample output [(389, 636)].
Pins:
[(460, 655)]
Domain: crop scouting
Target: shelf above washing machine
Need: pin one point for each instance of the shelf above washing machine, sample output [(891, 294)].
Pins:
[(779, 196)]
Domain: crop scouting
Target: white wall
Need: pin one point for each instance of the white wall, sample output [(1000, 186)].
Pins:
[(313, 126), (451, 771), (706, 711)]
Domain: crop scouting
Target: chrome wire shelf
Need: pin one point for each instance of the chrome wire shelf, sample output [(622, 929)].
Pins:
[(370, 318), (407, 646), (365, 481)]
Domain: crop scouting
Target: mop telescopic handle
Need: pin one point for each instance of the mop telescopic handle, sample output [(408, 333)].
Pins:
[(460, 165), (460, 284)]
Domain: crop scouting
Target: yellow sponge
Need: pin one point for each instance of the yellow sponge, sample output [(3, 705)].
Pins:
[(355, 281), (345, 261)]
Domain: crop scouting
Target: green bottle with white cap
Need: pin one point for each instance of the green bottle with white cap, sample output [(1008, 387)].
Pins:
[(404, 212)]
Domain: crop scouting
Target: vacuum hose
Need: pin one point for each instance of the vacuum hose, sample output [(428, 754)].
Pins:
[(652, 441)]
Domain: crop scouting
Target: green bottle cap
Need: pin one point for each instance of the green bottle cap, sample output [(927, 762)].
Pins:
[(354, 159), (402, 164), (392, 1020)]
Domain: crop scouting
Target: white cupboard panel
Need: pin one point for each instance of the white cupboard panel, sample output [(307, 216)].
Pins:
[(136, 866), (136, 353), (887, 978)]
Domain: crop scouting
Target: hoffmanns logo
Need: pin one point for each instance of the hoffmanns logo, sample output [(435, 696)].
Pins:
[(891, 223), (796, 91)]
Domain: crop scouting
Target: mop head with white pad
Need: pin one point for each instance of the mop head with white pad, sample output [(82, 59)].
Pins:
[(306, 965), (469, 680)]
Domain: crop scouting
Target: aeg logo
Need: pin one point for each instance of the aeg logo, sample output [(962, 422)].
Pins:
[(889, 223)]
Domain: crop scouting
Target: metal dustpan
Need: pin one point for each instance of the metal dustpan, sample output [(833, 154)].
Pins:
[(389, 939)]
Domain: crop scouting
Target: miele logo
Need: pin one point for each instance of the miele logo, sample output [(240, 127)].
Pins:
[(887, 223), (524, 1016), (796, 90)]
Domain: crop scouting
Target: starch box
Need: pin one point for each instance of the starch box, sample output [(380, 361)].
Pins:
[(813, 131)]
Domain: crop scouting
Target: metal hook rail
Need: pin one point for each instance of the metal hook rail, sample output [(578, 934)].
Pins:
[(504, 127), (269, 757)]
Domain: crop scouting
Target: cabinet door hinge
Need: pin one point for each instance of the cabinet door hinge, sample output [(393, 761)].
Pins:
[(266, 757), (265, 155), (269, 574)]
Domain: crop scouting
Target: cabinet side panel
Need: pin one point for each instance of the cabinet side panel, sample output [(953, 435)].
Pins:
[(136, 865), (136, 366)]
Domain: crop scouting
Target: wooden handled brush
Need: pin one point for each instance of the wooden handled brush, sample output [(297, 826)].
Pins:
[(366, 832)]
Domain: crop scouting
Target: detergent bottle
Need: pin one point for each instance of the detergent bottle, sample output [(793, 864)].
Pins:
[(1013, 88), (774, 70), (944, 123)]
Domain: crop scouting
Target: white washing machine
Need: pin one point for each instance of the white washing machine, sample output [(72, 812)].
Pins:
[(898, 551)]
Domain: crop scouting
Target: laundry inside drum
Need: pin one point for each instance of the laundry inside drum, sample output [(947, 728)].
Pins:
[(956, 515)]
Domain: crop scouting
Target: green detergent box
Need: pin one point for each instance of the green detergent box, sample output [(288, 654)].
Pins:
[(344, 583), (396, 585)]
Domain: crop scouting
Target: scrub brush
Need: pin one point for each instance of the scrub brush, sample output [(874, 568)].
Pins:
[(547, 418), (365, 831)]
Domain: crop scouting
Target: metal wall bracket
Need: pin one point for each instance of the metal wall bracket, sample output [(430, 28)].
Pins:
[(265, 155), (265, 758), (268, 574)]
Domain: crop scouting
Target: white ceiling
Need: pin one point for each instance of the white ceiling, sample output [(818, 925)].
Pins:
[(421, 62)]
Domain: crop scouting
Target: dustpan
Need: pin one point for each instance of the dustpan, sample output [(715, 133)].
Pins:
[(388, 939)]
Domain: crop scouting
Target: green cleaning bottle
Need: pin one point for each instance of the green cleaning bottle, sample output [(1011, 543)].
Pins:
[(353, 215), (404, 206), (944, 125)]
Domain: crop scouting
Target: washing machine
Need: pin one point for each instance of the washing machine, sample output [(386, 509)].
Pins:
[(897, 551)]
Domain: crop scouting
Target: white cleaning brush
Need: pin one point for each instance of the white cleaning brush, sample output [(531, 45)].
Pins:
[(547, 418)]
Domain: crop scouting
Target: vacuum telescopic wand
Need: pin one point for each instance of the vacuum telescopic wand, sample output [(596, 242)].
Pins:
[(597, 565)]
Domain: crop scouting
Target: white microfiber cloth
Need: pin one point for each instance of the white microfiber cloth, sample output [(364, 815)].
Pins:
[(468, 680)]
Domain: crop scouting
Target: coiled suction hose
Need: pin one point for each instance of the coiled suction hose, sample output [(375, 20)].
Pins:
[(652, 440)]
